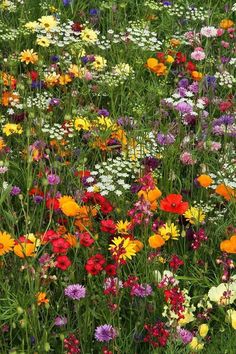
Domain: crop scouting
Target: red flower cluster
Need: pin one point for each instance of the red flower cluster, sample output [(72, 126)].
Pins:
[(175, 262), (95, 264), (156, 335), (96, 198), (71, 344), (85, 239), (176, 300)]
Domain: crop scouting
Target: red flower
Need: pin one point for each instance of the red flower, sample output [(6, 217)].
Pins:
[(110, 269), (224, 106), (175, 262), (60, 245), (161, 57), (36, 191), (52, 203), (33, 75), (95, 264), (63, 262), (180, 58), (190, 66), (108, 226), (106, 207), (50, 235), (85, 239), (173, 204)]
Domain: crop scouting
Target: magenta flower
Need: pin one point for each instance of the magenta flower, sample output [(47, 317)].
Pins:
[(105, 333)]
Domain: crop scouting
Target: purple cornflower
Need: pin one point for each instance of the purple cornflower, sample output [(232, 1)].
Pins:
[(15, 190), (38, 199), (66, 2), (75, 291), (183, 83), (105, 333), (185, 335), (225, 119), (103, 112), (93, 12), (60, 321), (165, 139), (141, 290), (184, 107), (126, 122), (53, 179)]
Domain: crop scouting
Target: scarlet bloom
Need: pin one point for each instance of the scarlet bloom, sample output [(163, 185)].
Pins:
[(95, 264), (60, 245), (108, 226), (63, 262), (190, 66), (52, 203), (85, 239), (110, 270), (36, 191), (173, 204), (180, 58), (49, 236)]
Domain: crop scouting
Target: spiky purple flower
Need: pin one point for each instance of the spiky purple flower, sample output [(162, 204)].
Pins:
[(75, 291), (105, 333)]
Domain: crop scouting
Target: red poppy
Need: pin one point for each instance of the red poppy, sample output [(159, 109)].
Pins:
[(108, 226), (60, 245), (190, 66), (49, 236), (110, 270), (36, 191), (173, 204), (180, 58), (63, 262)]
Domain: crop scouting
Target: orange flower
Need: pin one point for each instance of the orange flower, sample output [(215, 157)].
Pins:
[(225, 191), (226, 23), (205, 180), (196, 75), (229, 246), (24, 249), (42, 298), (156, 67), (69, 206), (71, 239), (7, 97), (156, 241), (152, 195), (175, 42), (138, 245)]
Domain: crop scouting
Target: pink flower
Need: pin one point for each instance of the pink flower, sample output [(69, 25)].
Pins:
[(198, 55), (187, 159), (225, 44), (208, 31)]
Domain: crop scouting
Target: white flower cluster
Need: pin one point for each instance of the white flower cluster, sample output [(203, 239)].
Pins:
[(137, 34), (225, 79), (232, 61), (113, 177), (188, 13), (234, 7), (57, 131), (40, 101), (117, 76), (153, 5), (8, 34)]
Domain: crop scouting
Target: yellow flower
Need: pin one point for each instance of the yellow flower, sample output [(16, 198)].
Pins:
[(194, 215), (122, 227), (88, 35), (32, 25), (31, 237), (169, 231), (231, 317), (105, 122), (188, 317), (51, 79), (99, 63), (75, 70), (203, 330), (81, 123), (195, 344), (11, 128), (169, 59), (122, 248), (6, 243), (48, 22), (64, 79), (41, 298), (43, 41), (28, 56)]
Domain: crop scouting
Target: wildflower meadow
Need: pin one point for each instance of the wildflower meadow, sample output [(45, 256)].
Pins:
[(117, 176)]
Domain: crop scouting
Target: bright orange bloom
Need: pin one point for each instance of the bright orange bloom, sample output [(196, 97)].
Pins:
[(24, 249), (151, 195), (138, 245), (42, 298), (225, 191), (156, 241), (229, 246), (7, 97), (196, 75), (71, 239), (226, 23), (205, 180), (156, 67)]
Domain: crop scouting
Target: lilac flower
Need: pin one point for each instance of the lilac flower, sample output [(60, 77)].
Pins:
[(38, 199), (60, 321), (15, 190), (93, 12), (165, 139), (45, 258), (53, 179), (66, 2), (54, 102), (183, 83), (75, 291), (105, 333), (141, 290), (225, 119), (184, 107), (185, 335), (103, 112)]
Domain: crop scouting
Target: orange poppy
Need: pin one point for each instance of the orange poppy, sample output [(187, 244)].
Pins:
[(229, 246), (225, 191), (156, 241), (205, 180)]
